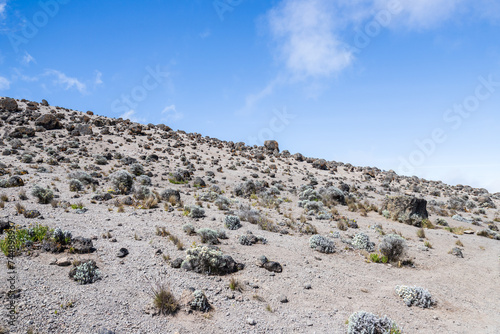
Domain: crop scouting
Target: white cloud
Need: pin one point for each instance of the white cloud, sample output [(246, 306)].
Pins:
[(172, 114), (130, 115), (98, 78), (67, 82), (4, 83), (27, 59), (306, 38), (252, 99), (422, 14), (2, 8)]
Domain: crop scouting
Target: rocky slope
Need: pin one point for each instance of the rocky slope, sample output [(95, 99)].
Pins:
[(277, 242)]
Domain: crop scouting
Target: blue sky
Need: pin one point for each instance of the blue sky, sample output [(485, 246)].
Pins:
[(408, 85)]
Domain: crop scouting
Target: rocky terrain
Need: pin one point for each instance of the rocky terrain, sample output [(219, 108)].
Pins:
[(110, 226)]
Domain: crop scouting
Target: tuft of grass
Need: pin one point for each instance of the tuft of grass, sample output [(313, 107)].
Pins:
[(269, 308), (459, 243), (258, 298), (455, 230), (421, 233), (235, 284), (426, 223), (4, 198), (20, 209), (164, 300), (77, 206), (427, 244), (378, 258), (341, 225)]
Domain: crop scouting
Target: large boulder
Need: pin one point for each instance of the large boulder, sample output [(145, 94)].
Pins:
[(8, 104), (135, 129), (14, 181), (404, 205), (22, 131), (271, 145), (320, 164), (49, 122)]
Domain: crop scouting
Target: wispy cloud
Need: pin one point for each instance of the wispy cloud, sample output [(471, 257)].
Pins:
[(306, 38), (131, 116), (4, 83), (252, 99), (171, 114), (3, 3), (98, 78), (27, 59), (66, 82), (309, 36)]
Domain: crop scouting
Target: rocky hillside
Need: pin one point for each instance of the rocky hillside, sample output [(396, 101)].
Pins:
[(110, 226)]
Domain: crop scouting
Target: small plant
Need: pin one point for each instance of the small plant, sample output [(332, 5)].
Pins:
[(194, 211), (232, 222), (426, 223), (208, 236), (393, 246), (4, 198), (258, 298), (176, 242), (459, 243), (122, 181), (121, 208), (415, 296), (188, 229), (421, 233), (455, 230), (427, 244), (235, 284), (20, 209), (77, 206), (85, 272), (341, 225), (164, 300), (377, 258), (44, 196), (366, 322), (75, 185), (162, 232), (322, 244)]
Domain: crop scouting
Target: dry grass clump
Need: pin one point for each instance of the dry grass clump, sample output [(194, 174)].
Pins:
[(235, 284), (164, 300), (421, 233)]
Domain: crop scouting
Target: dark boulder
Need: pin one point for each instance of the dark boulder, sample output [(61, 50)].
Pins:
[(8, 104), (49, 122)]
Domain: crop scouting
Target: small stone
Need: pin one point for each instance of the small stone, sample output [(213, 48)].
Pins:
[(307, 286), (63, 262), (283, 299), (251, 322), (122, 253)]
